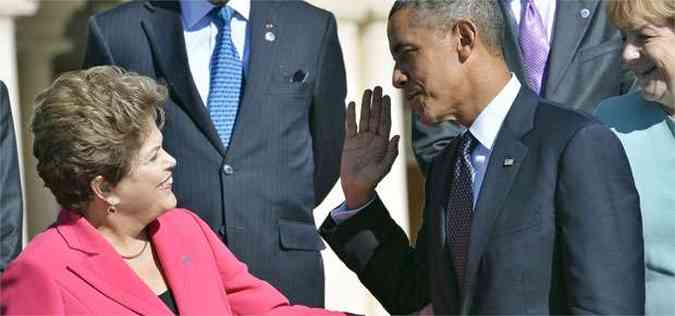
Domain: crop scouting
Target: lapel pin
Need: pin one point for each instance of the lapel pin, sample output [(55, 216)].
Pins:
[(585, 13), (270, 37), (508, 162)]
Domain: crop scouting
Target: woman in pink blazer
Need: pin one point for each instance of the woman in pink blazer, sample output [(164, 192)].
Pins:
[(119, 246)]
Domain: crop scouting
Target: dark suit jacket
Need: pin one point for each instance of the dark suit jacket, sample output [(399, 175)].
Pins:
[(86, 276), (584, 67), (285, 149), (11, 205), (557, 232)]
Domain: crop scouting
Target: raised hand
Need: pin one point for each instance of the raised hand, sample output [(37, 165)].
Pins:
[(368, 152)]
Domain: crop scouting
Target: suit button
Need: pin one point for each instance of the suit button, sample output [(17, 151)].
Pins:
[(228, 169)]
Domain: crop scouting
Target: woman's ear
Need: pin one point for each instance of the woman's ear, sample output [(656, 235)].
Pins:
[(467, 38), (103, 190)]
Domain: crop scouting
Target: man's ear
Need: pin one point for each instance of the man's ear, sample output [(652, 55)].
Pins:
[(103, 190), (467, 38)]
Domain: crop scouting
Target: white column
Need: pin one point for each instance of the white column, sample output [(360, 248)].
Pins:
[(40, 39), (362, 32), (9, 11)]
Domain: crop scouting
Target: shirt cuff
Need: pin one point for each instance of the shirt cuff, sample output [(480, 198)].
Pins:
[(341, 213)]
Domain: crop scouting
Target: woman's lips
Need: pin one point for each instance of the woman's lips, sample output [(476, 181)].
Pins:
[(167, 184)]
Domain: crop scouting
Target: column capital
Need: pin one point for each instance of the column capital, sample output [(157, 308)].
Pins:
[(11, 8)]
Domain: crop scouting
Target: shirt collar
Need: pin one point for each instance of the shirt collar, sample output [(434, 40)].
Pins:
[(488, 123), (194, 11)]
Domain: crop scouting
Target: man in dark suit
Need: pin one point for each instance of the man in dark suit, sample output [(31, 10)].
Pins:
[(11, 205), (532, 210), (583, 65), (258, 185)]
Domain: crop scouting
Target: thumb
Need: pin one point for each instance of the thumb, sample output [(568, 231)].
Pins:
[(392, 153)]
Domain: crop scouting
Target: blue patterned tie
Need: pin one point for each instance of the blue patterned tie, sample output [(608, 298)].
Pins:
[(226, 77), (460, 205)]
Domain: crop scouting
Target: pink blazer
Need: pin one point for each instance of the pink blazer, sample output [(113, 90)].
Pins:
[(70, 269)]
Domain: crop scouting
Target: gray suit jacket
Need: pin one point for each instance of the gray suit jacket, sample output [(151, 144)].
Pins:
[(558, 232), (11, 205), (283, 159), (584, 67)]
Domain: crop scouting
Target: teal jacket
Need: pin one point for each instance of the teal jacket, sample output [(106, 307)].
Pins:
[(648, 136)]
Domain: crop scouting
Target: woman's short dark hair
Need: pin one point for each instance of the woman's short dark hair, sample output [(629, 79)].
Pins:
[(92, 123)]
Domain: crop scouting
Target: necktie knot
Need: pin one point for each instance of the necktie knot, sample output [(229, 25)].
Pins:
[(223, 16), (467, 143)]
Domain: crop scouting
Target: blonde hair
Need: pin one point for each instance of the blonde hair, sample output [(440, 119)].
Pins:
[(89, 123), (627, 14)]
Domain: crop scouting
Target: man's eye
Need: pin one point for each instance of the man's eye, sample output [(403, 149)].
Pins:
[(407, 54), (643, 37)]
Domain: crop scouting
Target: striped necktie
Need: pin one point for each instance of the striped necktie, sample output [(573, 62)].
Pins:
[(226, 78)]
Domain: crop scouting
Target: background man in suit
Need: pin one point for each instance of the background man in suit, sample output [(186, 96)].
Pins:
[(254, 119), (11, 205), (581, 66), (533, 210)]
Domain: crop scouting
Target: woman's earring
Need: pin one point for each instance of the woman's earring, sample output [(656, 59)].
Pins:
[(111, 209)]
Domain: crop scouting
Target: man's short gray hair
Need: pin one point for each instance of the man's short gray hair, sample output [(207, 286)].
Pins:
[(443, 14)]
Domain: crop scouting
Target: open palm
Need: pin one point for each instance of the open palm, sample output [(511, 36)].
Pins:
[(368, 152)]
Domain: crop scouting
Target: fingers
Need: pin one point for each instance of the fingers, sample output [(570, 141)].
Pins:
[(365, 110), (350, 120), (385, 117), (375, 110)]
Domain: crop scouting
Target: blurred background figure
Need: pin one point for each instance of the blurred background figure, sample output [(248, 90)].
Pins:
[(565, 50), (645, 123), (255, 113), (11, 205), (119, 246)]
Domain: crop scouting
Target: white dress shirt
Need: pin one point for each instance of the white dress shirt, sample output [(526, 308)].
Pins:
[(200, 37), (546, 9), (485, 129)]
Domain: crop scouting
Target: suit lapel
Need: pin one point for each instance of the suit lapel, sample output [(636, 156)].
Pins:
[(163, 28), (568, 31), (511, 46), (261, 63), (444, 297), (102, 268), (497, 183)]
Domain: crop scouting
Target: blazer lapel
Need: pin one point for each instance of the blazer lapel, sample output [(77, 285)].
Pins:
[(569, 29), (176, 260), (164, 30), (102, 268), (508, 154), (264, 17)]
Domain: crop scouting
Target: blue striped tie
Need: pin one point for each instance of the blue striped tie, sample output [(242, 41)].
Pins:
[(225, 81)]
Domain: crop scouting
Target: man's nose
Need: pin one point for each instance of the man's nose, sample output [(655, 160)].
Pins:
[(399, 79)]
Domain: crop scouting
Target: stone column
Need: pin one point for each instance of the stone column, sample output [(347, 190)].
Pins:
[(9, 11)]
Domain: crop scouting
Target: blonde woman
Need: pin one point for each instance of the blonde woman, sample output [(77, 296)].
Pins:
[(645, 123)]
